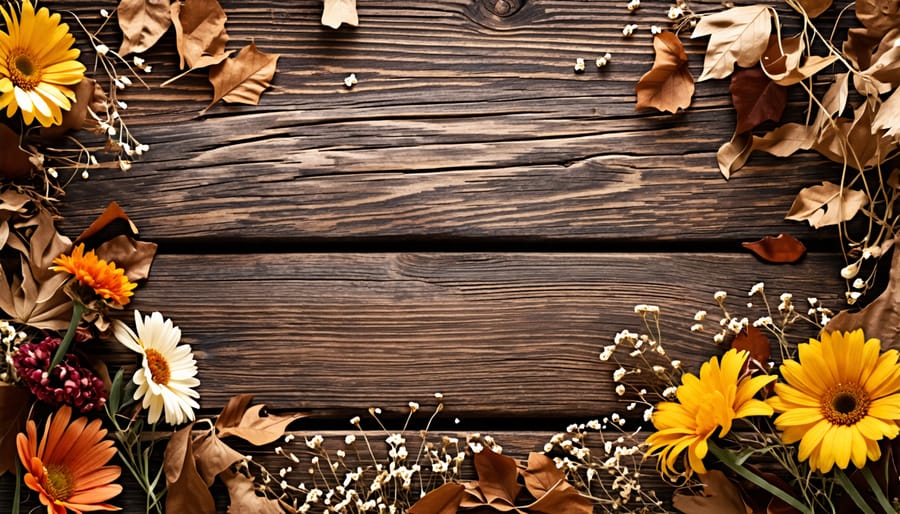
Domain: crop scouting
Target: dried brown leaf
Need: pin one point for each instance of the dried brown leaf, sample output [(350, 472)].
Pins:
[(786, 139), (813, 64), (200, 35), (739, 36), (888, 117), (720, 497), (112, 213), (782, 56), (497, 477), (814, 8), (826, 204), (733, 154), (244, 499), (212, 456), (443, 500), (881, 318), (14, 162), (187, 493), (886, 69), (142, 22), (757, 346), (336, 12), (879, 16), (668, 86), (14, 402), (541, 475), (756, 98), (135, 257), (244, 78), (257, 429), (548, 484), (781, 249), (233, 411), (851, 141)]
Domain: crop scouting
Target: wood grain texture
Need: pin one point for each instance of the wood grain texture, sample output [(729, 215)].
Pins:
[(500, 335), (465, 125)]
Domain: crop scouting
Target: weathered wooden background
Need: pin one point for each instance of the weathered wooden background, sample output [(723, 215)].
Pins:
[(473, 218)]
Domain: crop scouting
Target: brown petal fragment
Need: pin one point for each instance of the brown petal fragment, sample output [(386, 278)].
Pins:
[(782, 248)]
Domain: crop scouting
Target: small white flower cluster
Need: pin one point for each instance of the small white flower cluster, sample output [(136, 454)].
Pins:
[(611, 465), (10, 338)]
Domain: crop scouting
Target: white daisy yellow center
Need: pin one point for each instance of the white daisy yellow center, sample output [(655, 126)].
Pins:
[(845, 404)]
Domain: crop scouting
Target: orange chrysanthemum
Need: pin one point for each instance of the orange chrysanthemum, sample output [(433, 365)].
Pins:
[(68, 468), (103, 277)]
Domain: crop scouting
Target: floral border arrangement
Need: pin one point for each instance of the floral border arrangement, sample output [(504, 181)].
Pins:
[(809, 427)]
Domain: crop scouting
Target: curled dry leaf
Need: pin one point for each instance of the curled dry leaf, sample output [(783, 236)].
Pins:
[(497, 480), (879, 16), (244, 78), (780, 249), (14, 162), (720, 497), (814, 8), (881, 318), (548, 484), (733, 154), (826, 204), (836, 139), (336, 12), (212, 456), (668, 86), (112, 213), (244, 500), (14, 402), (251, 426), (786, 140), (888, 117), (443, 500), (142, 22), (186, 493), (756, 98), (739, 36), (200, 35), (135, 257)]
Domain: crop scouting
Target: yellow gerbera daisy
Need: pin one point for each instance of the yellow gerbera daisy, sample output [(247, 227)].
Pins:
[(103, 277), (714, 400), (37, 62), (839, 400)]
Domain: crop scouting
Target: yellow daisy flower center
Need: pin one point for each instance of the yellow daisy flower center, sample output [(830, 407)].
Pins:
[(159, 367), (58, 482), (23, 73), (845, 404)]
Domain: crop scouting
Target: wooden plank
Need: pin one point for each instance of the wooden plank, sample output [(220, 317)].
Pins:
[(502, 336), (473, 125)]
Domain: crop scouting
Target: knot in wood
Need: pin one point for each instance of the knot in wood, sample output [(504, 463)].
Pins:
[(504, 8)]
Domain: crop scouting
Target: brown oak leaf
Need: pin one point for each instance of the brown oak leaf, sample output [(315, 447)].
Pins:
[(187, 492), (881, 318), (781, 249), (826, 204), (200, 35), (142, 22), (668, 86), (548, 484), (720, 496), (739, 36), (878, 15), (756, 98), (243, 78), (814, 8), (14, 162), (856, 134), (336, 12), (239, 420)]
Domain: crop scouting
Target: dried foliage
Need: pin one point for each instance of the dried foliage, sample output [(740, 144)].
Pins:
[(337, 12), (668, 86), (243, 78), (782, 248)]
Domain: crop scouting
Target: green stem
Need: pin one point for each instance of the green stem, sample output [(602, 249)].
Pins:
[(876, 489), (729, 460), (17, 496), (77, 313), (848, 486)]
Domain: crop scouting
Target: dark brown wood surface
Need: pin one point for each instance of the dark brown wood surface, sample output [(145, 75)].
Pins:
[(473, 218)]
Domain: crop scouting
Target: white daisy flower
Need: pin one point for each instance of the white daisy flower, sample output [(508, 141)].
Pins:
[(168, 371)]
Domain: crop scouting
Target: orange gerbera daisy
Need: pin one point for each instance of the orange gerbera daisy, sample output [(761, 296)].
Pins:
[(68, 468), (107, 281)]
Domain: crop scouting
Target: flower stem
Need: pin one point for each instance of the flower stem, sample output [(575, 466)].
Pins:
[(729, 460), (77, 313), (876, 490), (848, 486), (17, 495)]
